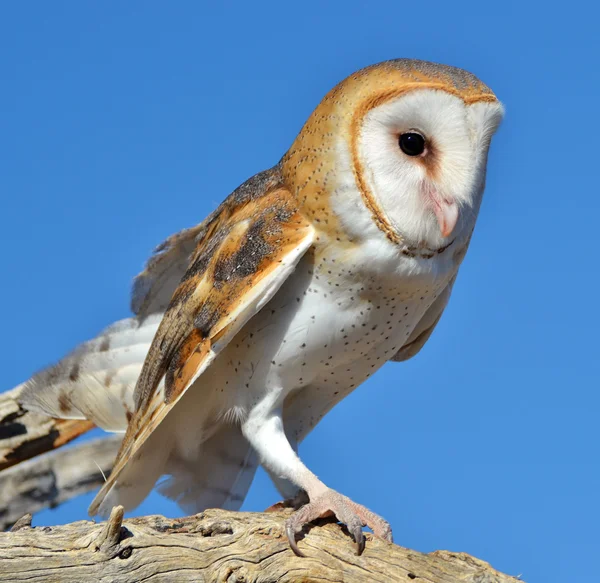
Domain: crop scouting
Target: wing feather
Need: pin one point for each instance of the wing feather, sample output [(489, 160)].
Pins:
[(153, 288), (254, 244)]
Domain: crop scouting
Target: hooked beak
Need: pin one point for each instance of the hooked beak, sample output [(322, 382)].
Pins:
[(446, 213)]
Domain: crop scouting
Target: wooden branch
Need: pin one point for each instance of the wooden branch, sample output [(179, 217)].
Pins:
[(219, 545), (24, 434), (54, 478), (215, 545)]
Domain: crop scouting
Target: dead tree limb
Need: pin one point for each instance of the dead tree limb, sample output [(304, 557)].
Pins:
[(220, 546), (24, 434), (215, 545), (54, 478)]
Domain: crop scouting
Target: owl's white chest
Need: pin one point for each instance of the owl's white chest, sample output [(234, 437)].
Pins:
[(331, 326), (336, 320)]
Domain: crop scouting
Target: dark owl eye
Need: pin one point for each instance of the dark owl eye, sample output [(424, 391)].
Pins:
[(412, 143)]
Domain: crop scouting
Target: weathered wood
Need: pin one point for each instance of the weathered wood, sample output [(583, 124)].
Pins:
[(24, 434), (220, 546), (215, 545), (54, 478)]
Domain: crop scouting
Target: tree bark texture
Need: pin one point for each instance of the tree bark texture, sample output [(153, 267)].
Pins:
[(219, 546), (215, 545), (55, 477)]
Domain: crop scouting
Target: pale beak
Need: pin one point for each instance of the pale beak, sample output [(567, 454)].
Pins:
[(446, 212)]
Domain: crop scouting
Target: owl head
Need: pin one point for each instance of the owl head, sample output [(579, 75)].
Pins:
[(400, 147)]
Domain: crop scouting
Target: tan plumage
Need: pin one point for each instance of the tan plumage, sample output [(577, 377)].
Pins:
[(298, 287), (311, 160), (253, 238)]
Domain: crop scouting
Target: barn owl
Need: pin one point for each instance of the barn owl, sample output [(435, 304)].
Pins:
[(251, 326)]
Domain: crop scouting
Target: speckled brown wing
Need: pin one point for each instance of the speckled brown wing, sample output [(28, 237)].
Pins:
[(250, 246), (154, 286)]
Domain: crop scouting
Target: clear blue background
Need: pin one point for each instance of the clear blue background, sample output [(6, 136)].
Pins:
[(123, 122)]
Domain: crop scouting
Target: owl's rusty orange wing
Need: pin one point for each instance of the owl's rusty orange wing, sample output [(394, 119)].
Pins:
[(251, 245)]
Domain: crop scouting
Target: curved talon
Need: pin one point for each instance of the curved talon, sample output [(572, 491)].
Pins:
[(355, 527), (359, 539), (291, 535)]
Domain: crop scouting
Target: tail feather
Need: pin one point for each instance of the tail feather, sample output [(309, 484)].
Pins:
[(96, 381), (139, 476), (219, 478)]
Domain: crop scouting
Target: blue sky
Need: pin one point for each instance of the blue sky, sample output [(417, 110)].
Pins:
[(122, 122)]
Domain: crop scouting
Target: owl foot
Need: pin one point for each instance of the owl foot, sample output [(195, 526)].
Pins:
[(353, 515)]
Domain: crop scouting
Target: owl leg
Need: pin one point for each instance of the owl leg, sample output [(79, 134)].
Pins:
[(264, 429), (293, 497)]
